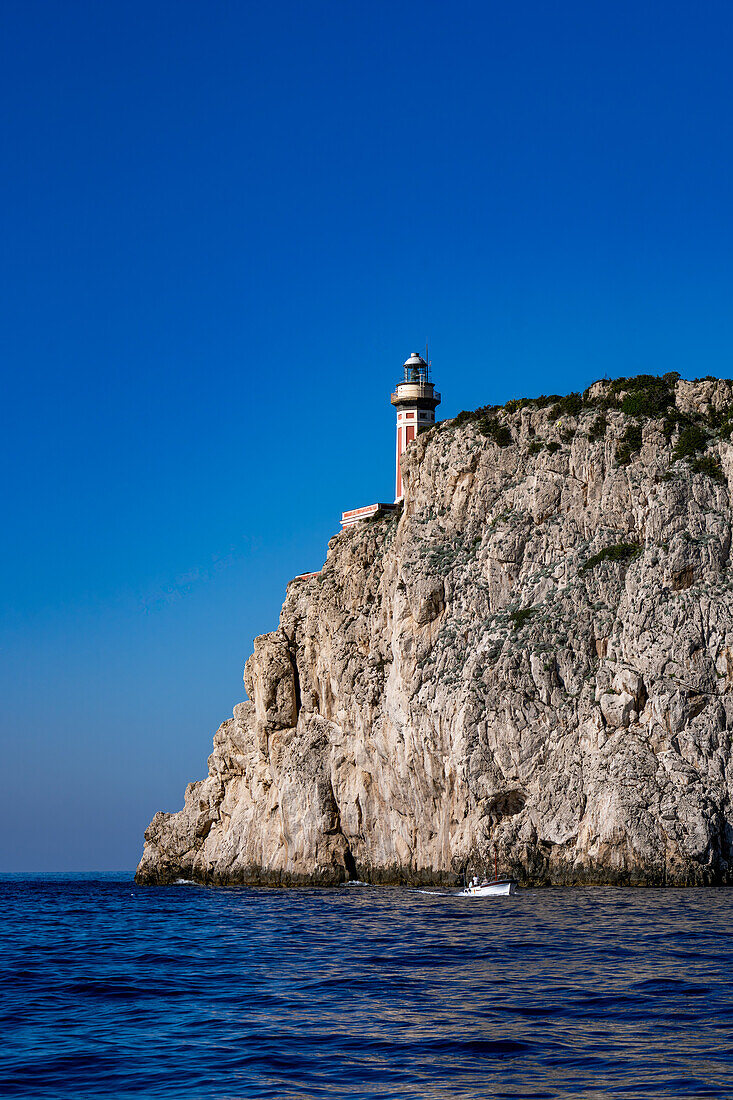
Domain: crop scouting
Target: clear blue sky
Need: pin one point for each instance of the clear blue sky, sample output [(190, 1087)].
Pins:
[(225, 225)]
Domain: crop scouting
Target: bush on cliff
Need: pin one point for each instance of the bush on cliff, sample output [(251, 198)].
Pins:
[(629, 445), (487, 424), (710, 465), (621, 552), (519, 618), (496, 431), (570, 405), (647, 396), (540, 402), (692, 439)]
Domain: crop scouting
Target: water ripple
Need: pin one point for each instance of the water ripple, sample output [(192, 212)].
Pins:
[(110, 991)]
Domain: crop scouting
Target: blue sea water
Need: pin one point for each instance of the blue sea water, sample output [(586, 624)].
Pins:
[(112, 990)]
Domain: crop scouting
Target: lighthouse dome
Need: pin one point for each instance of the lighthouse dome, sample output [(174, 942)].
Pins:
[(415, 360)]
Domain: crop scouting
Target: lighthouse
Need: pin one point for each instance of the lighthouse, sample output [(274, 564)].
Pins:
[(415, 400)]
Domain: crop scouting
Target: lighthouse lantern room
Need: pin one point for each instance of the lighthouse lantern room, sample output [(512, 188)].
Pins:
[(415, 399)]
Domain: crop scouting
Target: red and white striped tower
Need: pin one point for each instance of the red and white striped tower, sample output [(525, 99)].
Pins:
[(415, 400)]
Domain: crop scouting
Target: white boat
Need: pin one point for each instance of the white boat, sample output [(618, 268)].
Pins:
[(498, 888)]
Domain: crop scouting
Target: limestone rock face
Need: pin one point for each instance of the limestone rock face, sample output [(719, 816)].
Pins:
[(535, 657)]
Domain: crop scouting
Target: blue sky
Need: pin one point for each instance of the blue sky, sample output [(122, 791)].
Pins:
[(225, 225)]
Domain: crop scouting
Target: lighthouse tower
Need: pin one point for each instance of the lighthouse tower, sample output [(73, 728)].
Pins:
[(415, 400)]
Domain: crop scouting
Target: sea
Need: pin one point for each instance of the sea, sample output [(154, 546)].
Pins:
[(108, 989)]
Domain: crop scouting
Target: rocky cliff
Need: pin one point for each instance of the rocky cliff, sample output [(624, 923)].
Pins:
[(535, 657)]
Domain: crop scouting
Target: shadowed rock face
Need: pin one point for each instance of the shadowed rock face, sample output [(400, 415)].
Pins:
[(476, 674)]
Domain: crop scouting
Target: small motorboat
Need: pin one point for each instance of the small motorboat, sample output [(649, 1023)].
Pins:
[(486, 888), (500, 887)]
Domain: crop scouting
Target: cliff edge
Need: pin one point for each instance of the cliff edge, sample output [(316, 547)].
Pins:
[(535, 656)]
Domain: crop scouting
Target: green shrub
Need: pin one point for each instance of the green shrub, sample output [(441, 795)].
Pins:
[(722, 421), (645, 395), (544, 400), (640, 382), (519, 618), (494, 430), (630, 443), (540, 402), (621, 552), (598, 427), (535, 447), (487, 424), (710, 465), (652, 401), (552, 447), (608, 401), (692, 439), (672, 420), (717, 417), (516, 404), (570, 405)]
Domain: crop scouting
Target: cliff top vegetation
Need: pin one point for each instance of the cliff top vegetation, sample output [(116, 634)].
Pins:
[(638, 399)]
